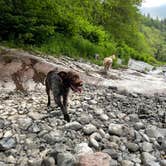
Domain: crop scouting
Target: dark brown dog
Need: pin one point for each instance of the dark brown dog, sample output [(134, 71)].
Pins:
[(60, 83)]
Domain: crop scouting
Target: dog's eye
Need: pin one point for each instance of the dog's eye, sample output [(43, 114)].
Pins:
[(75, 78)]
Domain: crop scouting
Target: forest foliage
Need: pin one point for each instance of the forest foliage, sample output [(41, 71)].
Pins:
[(81, 28)]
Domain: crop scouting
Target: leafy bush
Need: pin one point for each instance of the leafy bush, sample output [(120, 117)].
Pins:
[(94, 34)]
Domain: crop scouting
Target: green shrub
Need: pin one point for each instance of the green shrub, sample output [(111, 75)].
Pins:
[(94, 34)]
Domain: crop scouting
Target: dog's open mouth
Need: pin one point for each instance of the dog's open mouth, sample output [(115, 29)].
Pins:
[(77, 88)]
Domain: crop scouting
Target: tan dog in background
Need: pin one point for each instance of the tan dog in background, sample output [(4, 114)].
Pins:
[(108, 62)]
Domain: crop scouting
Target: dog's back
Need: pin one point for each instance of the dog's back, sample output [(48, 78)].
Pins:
[(54, 82)]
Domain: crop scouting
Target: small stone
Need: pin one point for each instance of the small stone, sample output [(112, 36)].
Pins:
[(147, 158), (73, 125), (153, 163), (11, 159), (34, 128), (115, 129), (89, 129), (126, 163), (145, 137), (92, 102), (53, 137), (113, 163), (93, 140), (104, 117), (84, 119), (25, 123), (112, 153), (65, 159), (98, 111), (153, 132), (147, 147), (8, 133), (2, 123), (49, 161), (139, 125), (102, 133), (1, 107), (163, 162), (163, 145), (82, 149), (132, 147), (34, 162), (36, 115), (7, 143), (134, 117)]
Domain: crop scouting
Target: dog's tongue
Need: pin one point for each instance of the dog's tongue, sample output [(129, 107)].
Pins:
[(79, 90)]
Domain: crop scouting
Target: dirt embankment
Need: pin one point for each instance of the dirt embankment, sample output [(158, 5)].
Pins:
[(22, 71)]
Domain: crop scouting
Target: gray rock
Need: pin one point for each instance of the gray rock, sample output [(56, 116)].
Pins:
[(126, 163), (115, 129), (104, 117), (153, 163), (36, 115), (145, 137), (53, 137), (89, 129), (7, 143), (163, 162), (98, 111), (113, 153), (65, 159), (25, 123), (92, 102), (82, 149), (102, 132), (34, 128), (34, 162), (49, 161), (2, 123), (84, 119), (3, 163), (93, 140), (163, 145), (113, 163), (11, 159), (139, 65), (147, 158), (139, 125), (73, 126), (132, 147), (153, 132), (134, 117), (147, 147)]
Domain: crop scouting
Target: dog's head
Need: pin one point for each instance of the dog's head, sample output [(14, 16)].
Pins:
[(113, 56), (72, 80)]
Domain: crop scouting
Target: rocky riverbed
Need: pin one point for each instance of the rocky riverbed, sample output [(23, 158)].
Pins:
[(108, 128), (118, 120)]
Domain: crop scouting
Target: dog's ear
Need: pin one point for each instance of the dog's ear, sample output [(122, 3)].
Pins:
[(62, 74)]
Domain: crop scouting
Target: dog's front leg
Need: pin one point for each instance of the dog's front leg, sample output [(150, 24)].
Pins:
[(65, 97), (48, 94), (63, 108)]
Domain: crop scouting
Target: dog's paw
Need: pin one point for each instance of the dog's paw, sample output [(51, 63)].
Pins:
[(67, 118), (49, 109)]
